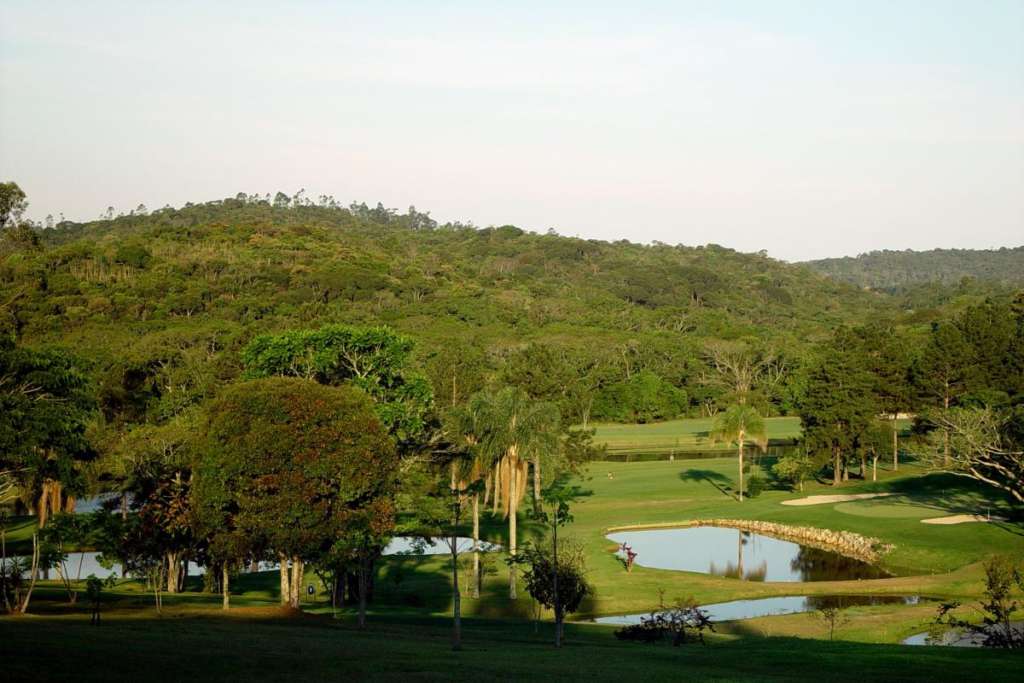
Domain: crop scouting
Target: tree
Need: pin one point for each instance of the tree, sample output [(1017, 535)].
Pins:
[(375, 359), (942, 372), (997, 628), (157, 462), (12, 203), (467, 426), (832, 616), (308, 470), (889, 362), (795, 468), (557, 584), (739, 425), (837, 405), (987, 446), (740, 370), (46, 401), (515, 428)]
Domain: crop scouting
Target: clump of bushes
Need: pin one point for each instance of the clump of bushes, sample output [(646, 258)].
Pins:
[(681, 623)]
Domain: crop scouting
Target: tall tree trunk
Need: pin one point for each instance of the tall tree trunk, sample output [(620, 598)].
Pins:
[(296, 587), (895, 445), (559, 612), (837, 469), (863, 465), (741, 467), (874, 466), (362, 591), (43, 506), (536, 484), (476, 545), (173, 570), (496, 488), (513, 473), (225, 588), (34, 574), (454, 547), (56, 496), (285, 583), (3, 569), (945, 431)]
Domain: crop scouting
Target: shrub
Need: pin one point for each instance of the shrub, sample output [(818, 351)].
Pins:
[(134, 255)]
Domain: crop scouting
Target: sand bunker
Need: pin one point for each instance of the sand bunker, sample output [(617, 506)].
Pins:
[(821, 500), (960, 519)]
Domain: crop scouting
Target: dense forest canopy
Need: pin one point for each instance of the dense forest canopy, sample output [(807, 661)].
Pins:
[(895, 270), (164, 301)]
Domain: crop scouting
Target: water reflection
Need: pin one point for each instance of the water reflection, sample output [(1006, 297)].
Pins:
[(741, 554), (766, 607)]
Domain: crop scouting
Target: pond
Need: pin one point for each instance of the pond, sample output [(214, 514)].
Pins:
[(410, 545), (81, 565), (741, 555), (767, 607), (954, 637)]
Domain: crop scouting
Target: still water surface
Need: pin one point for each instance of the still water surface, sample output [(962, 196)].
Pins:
[(766, 607), (740, 554)]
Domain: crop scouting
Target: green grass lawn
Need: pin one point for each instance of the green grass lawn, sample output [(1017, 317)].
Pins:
[(413, 593), (265, 644), (680, 436), (689, 435)]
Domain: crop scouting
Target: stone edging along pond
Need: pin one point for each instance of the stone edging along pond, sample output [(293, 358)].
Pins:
[(843, 542)]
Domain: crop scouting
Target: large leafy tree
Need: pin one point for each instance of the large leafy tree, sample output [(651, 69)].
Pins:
[(375, 359), (838, 405), (46, 401), (304, 470), (13, 203), (740, 424)]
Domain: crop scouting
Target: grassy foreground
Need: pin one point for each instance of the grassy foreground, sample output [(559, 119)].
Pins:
[(267, 644)]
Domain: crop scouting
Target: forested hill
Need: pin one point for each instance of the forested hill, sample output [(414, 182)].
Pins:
[(892, 270), (186, 288)]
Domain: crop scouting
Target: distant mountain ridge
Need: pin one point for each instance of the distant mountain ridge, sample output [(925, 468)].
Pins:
[(887, 270)]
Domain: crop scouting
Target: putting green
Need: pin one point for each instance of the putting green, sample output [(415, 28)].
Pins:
[(887, 510)]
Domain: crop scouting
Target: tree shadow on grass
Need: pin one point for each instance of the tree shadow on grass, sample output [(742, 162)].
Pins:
[(716, 479), (952, 493)]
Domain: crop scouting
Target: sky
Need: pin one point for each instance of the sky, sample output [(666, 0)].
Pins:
[(805, 128)]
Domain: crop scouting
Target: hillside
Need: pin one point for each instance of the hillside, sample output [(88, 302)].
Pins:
[(897, 270), (180, 291)]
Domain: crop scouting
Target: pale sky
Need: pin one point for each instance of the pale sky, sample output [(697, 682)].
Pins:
[(808, 128)]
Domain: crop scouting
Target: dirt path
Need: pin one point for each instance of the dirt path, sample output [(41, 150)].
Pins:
[(838, 498)]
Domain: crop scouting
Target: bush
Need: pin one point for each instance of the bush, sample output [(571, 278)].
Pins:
[(672, 623), (134, 255), (755, 485)]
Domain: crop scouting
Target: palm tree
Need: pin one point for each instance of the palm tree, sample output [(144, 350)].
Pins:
[(739, 425), (469, 429), (515, 428)]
